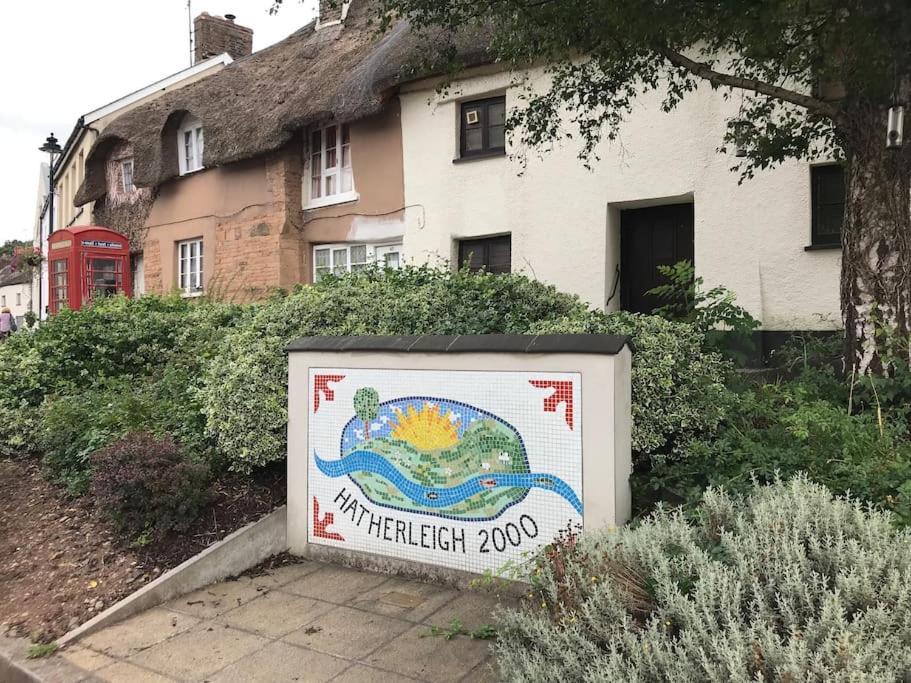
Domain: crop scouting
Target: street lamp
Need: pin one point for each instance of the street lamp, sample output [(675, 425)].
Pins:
[(51, 147)]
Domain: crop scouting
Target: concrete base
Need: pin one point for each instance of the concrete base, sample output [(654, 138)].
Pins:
[(419, 571), (234, 554)]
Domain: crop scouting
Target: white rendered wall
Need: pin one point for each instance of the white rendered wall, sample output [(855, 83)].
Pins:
[(565, 219)]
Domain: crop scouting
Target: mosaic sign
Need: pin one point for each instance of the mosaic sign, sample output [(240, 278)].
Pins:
[(470, 470)]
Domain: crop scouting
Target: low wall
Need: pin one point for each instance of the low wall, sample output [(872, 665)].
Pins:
[(459, 453), (234, 554)]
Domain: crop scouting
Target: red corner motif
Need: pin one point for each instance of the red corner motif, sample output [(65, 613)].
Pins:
[(320, 526), (321, 386), (563, 393)]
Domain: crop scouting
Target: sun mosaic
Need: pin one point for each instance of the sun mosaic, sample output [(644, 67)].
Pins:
[(427, 429)]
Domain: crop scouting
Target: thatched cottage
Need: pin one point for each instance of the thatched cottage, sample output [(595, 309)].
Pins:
[(336, 148), (284, 165)]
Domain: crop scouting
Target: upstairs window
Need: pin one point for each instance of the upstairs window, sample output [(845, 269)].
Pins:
[(126, 176), (191, 144), (330, 171), (483, 127), (828, 199)]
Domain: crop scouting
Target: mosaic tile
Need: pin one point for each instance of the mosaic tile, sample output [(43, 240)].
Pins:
[(468, 470)]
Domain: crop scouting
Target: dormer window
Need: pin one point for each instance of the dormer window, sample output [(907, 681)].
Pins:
[(126, 176), (191, 143), (330, 173)]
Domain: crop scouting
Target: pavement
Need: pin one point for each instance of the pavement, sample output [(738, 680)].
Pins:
[(302, 622)]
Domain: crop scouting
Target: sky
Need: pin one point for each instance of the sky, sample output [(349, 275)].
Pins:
[(60, 59)]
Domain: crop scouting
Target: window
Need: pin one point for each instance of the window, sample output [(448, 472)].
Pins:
[(828, 199), (126, 176), (483, 127), (18, 298), (331, 174), (492, 254), (59, 285), (189, 267), (104, 277), (191, 143), (339, 259), (2, 299)]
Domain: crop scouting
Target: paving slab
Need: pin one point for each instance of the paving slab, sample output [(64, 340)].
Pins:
[(365, 674), (123, 672), (405, 599), (415, 653), (347, 632), (335, 584), (197, 654), (217, 599), (282, 662), (275, 614), (275, 578), (472, 610), (85, 658), (140, 632)]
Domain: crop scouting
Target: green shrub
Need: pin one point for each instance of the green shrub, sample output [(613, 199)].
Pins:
[(73, 427), (798, 425), (677, 389), (80, 365), (149, 485), (789, 584)]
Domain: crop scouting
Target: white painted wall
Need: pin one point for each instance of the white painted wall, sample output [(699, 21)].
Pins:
[(565, 219), (18, 299)]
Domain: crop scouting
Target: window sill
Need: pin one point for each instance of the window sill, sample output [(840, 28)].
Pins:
[(344, 198), (822, 247), (495, 154), (192, 171), (192, 295)]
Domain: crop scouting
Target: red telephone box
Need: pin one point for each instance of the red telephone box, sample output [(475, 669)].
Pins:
[(85, 263)]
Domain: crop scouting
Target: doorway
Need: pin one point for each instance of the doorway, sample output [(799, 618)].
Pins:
[(652, 237)]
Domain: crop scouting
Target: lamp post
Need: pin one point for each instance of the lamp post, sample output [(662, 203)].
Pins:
[(52, 147)]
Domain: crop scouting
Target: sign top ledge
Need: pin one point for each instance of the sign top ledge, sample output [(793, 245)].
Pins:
[(600, 344)]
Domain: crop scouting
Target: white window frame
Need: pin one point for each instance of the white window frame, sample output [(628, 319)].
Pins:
[(128, 189), (191, 144), (335, 182), (190, 262), (340, 258)]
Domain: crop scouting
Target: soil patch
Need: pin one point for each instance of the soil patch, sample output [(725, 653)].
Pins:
[(62, 563)]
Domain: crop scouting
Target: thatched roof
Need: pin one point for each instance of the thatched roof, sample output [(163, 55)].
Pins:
[(258, 103)]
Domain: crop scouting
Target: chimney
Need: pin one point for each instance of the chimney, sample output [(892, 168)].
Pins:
[(215, 35), (332, 12)]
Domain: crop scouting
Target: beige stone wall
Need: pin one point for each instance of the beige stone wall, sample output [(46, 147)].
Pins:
[(379, 213), (250, 215)]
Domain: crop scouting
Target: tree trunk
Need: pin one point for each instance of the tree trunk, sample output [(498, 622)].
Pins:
[(876, 257)]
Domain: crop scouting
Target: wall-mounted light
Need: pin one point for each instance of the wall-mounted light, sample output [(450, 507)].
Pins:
[(895, 127)]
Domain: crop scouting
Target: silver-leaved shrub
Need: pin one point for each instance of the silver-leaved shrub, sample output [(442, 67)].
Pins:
[(787, 584)]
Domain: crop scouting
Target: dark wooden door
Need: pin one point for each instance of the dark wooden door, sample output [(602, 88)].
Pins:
[(652, 237)]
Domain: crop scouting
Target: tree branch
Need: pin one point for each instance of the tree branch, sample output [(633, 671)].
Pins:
[(702, 70)]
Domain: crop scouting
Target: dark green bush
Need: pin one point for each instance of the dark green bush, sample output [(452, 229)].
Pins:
[(80, 365), (799, 425), (149, 485), (73, 427)]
